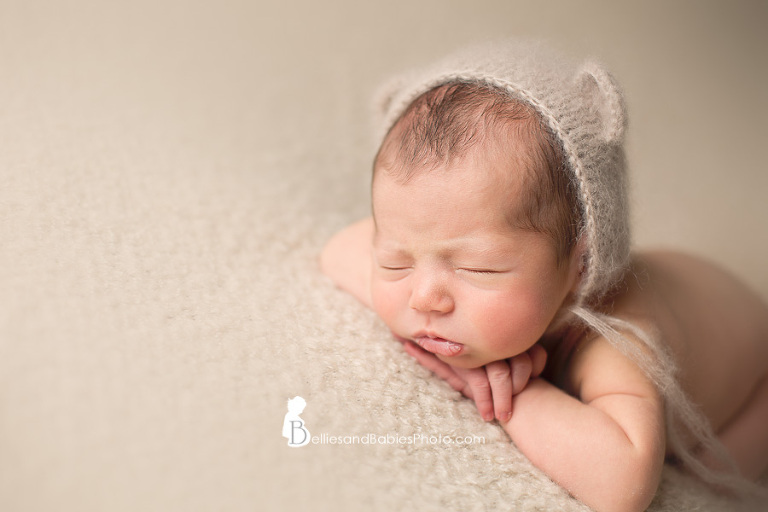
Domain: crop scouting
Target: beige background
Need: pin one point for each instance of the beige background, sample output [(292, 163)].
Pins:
[(264, 74), (168, 172)]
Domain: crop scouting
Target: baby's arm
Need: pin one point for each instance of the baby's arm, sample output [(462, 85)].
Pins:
[(607, 446), (346, 259)]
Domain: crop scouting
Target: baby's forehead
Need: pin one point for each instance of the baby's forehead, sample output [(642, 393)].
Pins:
[(474, 182)]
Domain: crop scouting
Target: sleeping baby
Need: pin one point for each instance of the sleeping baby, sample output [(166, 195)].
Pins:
[(498, 254)]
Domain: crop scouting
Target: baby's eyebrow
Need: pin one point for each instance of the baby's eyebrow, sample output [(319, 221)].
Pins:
[(454, 249), (492, 253), (493, 250), (388, 245), (478, 245)]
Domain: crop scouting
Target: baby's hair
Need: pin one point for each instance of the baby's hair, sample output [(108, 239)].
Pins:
[(447, 121)]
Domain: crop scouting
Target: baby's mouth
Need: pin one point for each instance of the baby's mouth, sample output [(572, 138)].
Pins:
[(439, 346)]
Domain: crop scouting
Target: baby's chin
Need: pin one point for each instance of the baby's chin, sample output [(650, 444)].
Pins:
[(466, 361)]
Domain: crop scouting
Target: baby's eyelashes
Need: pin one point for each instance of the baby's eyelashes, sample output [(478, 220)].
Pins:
[(482, 272), (392, 273), (470, 270), (388, 267)]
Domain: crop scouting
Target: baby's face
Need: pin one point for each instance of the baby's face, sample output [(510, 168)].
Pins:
[(452, 274)]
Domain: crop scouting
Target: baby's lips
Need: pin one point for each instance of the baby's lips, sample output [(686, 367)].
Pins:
[(439, 346)]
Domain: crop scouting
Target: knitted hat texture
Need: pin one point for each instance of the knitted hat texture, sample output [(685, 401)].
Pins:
[(582, 106)]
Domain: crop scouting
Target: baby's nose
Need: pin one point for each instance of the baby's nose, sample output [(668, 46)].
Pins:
[(430, 294)]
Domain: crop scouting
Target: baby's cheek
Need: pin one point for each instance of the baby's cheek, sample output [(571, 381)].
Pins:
[(512, 324), (384, 301)]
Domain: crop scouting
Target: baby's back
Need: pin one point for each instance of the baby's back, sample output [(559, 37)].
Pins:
[(715, 326)]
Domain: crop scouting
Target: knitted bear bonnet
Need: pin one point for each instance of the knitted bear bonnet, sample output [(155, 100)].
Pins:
[(580, 104)]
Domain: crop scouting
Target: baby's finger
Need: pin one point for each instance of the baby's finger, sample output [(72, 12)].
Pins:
[(479, 389), (538, 360), (439, 368), (521, 371), (500, 378)]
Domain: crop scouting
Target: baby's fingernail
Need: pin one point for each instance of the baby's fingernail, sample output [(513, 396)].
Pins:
[(506, 416), (488, 416)]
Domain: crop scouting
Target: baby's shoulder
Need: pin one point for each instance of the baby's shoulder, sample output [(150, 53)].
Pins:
[(657, 290), (595, 368)]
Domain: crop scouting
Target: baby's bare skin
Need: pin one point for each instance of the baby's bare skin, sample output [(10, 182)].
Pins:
[(717, 331)]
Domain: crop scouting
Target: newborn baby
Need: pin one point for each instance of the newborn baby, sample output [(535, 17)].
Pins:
[(498, 254)]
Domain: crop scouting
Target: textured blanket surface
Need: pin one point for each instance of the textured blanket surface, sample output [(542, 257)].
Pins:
[(168, 174)]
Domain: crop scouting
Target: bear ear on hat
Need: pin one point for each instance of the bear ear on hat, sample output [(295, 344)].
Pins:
[(607, 99), (385, 94)]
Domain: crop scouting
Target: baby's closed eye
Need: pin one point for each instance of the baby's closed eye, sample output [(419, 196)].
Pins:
[(482, 275), (392, 272)]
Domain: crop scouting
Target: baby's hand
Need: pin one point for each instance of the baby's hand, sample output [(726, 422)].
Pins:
[(491, 386)]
